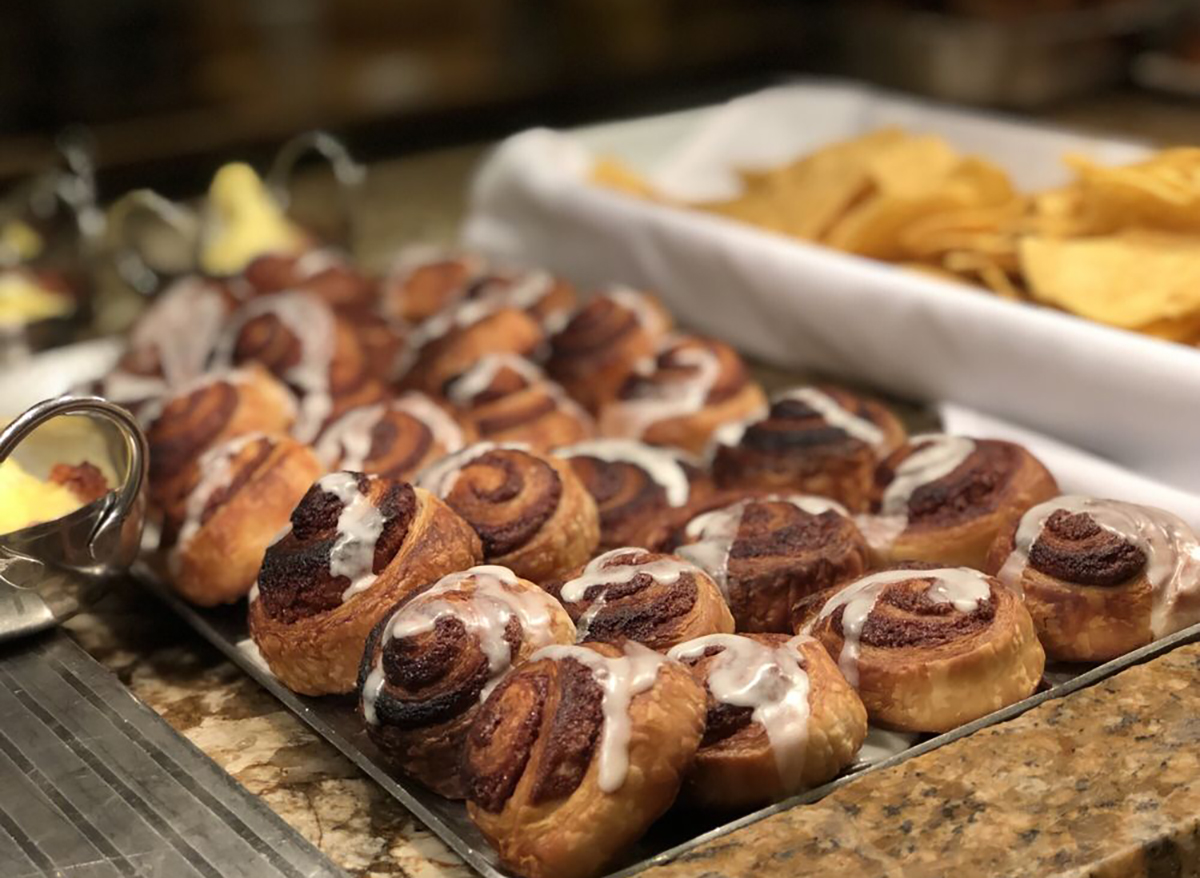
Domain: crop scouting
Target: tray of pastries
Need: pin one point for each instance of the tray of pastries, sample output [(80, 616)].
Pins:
[(571, 584)]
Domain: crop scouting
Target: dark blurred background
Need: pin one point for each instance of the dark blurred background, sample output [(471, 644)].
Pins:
[(168, 88)]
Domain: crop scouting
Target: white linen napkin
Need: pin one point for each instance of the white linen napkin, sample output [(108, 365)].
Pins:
[(1077, 472)]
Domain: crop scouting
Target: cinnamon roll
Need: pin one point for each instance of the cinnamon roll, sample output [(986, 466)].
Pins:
[(508, 399), (598, 348), (781, 718), (813, 440), (643, 492), (693, 386), (355, 546), (577, 752), (942, 499), (203, 414), (767, 553), (323, 272), (431, 662), (547, 299), (394, 439), (423, 281), (300, 339), (247, 488), (929, 649), (448, 344), (1100, 577), (632, 594), (532, 513)]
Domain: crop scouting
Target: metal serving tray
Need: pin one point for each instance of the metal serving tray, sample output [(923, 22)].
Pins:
[(334, 718)]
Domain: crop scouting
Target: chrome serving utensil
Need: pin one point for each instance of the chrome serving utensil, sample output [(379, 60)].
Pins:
[(49, 571)]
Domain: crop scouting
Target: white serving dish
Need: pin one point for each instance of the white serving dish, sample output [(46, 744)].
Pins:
[(1133, 399)]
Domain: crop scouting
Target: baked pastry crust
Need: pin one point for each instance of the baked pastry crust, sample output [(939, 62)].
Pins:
[(631, 594), (766, 553), (928, 649), (813, 440), (943, 499), (532, 513), (328, 579), (429, 662), (1100, 577), (764, 742), (247, 489), (548, 782)]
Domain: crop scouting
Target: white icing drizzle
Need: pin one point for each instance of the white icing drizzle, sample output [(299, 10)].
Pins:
[(464, 388), (497, 596), (961, 586), (732, 432), (832, 412), (126, 387), (650, 318), (182, 325), (631, 418), (620, 680), (607, 571), (1170, 545), (216, 472), (311, 321), (713, 534), (460, 316), (769, 679), (347, 442), (359, 526), (317, 260), (664, 466), (439, 477)]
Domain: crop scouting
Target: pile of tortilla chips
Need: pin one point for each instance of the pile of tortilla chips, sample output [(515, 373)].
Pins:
[(1118, 245)]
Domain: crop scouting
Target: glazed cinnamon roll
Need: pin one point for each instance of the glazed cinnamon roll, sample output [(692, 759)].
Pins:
[(643, 492), (929, 649), (394, 439), (449, 343), (781, 718), (577, 752), (430, 663), (323, 272), (942, 499), (423, 281), (694, 386), (814, 440), (532, 513), (355, 546), (506, 398), (1100, 577), (598, 348), (202, 415), (247, 488), (300, 339), (767, 553), (545, 298), (632, 594)]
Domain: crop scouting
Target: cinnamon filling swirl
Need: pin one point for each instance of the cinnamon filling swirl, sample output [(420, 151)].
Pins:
[(502, 737), (906, 616), (1074, 548), (594, 329), (188, 424), (507, 496), (244, 468), (574, 732), (974, 488)]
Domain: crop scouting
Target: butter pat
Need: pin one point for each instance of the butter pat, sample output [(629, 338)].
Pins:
[(26, 499), (243, 222)]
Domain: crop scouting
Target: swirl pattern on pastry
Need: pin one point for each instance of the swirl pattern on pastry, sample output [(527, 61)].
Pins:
[(598, 348), (577, 752), (815, 440), (429, 665), (394, 439), (681, 397), (246, 488), (929, 649), (767, 553), (942, 499), (424, 280), (632, 594), (643, 492), (781, 718), (356, 544), (508, 399), (541, 295), (1101, 577), (532, 513), (321, 271)]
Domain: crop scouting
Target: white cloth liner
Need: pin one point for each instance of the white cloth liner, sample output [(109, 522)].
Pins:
[(1132, 399)]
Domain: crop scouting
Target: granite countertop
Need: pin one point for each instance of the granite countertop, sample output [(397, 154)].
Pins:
[(1102, 782)]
